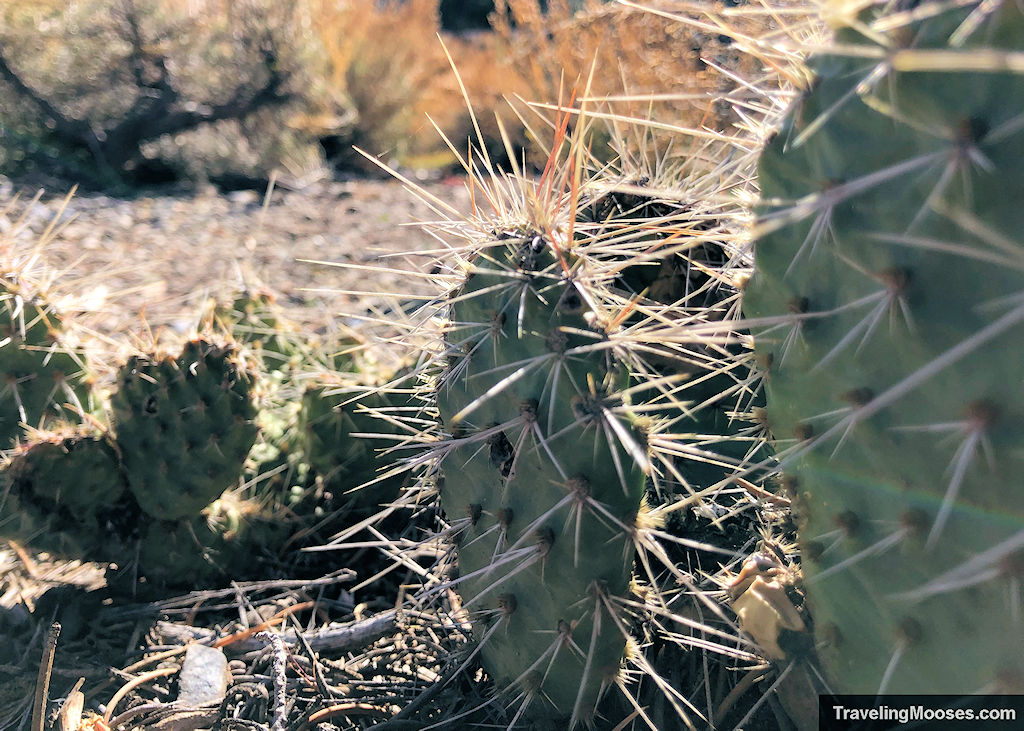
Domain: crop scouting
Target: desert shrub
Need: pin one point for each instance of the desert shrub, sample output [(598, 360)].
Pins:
[(627, 61), (384, 61), (386, 58), (105, 91), (126, 91)]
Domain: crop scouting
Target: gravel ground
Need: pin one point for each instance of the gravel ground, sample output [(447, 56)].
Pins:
[(128, 264)]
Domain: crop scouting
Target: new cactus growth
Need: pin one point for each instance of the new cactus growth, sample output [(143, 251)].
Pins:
[(39, 373), (184, 426), (542, 476), (888, 304)]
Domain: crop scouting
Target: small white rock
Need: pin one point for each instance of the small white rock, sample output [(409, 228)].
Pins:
[(204, 676)]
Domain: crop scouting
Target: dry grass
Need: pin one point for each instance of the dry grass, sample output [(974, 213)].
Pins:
[(634, 63), (383, 63)]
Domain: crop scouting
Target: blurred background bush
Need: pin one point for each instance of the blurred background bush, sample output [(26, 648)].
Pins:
[(116, 94)]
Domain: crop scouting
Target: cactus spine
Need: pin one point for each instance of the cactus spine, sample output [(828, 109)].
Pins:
[(887, 299)]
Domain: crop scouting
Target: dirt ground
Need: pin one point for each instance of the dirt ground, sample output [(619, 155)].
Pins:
[(124, 265)]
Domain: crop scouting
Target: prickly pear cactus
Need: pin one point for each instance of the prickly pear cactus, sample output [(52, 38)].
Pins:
[(330, 422), (256, 320), (680, 265), (543, 476), (888, 304), (40, 374), (62, 490), (184, 426), (224, 542)]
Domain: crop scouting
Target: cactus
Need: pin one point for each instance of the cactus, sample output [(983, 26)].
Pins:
[(334, 428), (63, 492), (224, 542), (184, 426), (680, 263), (255, 320), (542, 479), (40, 374), (887, 304)]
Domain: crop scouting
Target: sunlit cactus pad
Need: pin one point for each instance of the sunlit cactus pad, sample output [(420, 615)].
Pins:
[(184, 426), (543, 477), (892, 265), (255, 319)]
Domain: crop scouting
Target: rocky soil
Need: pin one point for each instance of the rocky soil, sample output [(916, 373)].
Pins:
[(128, 265)]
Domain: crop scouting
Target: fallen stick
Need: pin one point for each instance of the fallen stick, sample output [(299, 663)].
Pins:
[(334, 637)]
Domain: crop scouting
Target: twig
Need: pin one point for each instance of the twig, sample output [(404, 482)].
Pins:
[(135, 683), (159, 657), (343, 638), (344, 709), (422, 699), (279, 617), (30, 566), (279, 680), (318, 677), (43, 679), (188, 601)]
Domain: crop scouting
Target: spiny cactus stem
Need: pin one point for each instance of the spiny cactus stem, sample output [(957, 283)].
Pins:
[(909, 383)]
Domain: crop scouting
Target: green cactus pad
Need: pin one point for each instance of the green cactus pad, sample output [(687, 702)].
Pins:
[(39, 373), (255, 320), (224, 543), (67, 486), (889, 297), (329, 419), (542, 478), (184, 427)]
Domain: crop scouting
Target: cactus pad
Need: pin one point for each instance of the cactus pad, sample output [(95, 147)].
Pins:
[(184, 427), (329, 420), (39, 373), (62, 490), (222, 543), (889, 294), (255, 320), (542, 477)]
